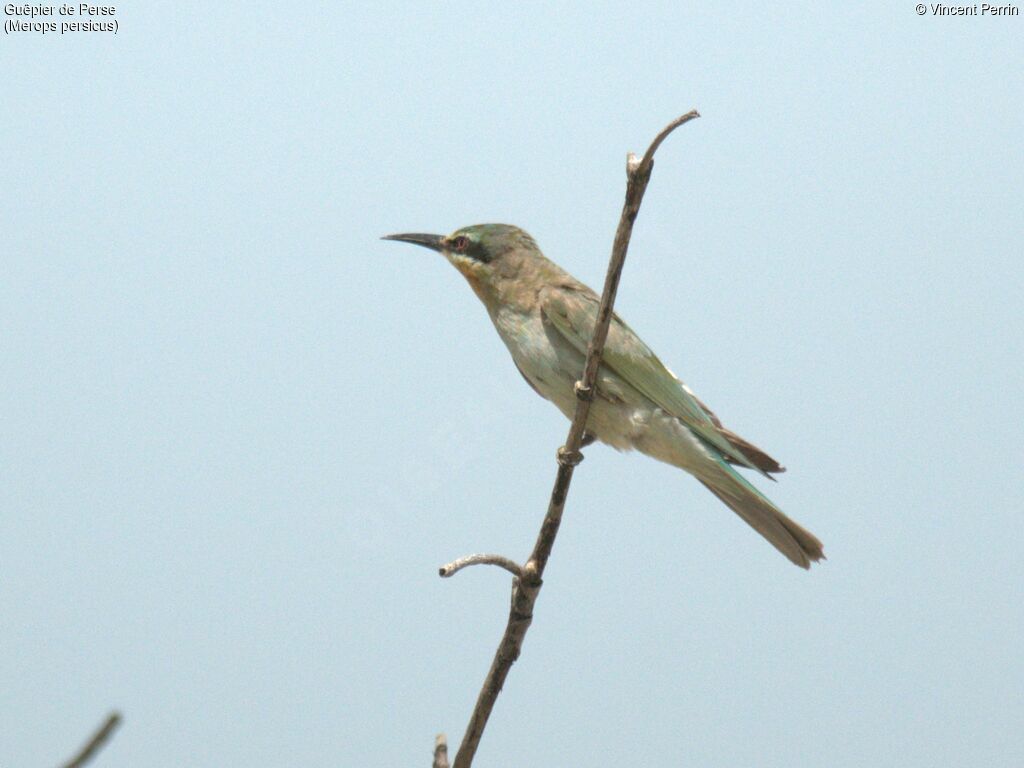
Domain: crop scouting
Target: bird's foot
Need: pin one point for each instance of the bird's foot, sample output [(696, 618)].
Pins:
[(568, 458), (583, 393)]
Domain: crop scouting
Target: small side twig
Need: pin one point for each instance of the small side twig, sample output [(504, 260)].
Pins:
[(440, 751), (464, 562), (527, 586), (98, 740)]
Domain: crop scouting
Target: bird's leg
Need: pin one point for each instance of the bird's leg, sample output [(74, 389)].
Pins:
[(588, 438)]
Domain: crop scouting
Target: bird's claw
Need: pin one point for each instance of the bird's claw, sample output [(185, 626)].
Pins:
[(583, 393), (569, 458)]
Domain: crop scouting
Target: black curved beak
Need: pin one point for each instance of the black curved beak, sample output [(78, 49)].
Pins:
[(434, 242)]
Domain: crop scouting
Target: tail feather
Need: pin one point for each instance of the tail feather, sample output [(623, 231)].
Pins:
[(755, 455), (790, 538)]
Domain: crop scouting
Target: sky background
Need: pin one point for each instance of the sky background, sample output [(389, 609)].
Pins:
[(240, 433)]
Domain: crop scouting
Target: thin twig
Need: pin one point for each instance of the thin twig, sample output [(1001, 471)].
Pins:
[(464, 562), (440, 751), (102, 735), (527, 586)]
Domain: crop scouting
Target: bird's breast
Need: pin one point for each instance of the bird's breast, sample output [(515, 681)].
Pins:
[(534, 353)]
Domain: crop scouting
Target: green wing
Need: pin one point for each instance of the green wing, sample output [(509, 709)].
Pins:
[(573, 312)]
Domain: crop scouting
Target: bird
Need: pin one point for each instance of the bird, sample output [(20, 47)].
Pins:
[(546, 318)]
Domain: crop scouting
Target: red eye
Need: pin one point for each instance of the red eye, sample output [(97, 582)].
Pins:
[(460, 243)]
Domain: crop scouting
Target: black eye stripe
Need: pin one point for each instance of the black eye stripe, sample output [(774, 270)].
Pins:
[(464, 245)]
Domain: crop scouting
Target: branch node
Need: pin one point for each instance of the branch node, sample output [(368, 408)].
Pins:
[(583, 392), (568, 458)]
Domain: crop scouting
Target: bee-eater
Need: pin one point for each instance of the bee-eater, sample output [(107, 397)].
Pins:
[(546, 317)]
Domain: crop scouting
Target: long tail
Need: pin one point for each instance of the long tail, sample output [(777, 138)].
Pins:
[(791, 539)]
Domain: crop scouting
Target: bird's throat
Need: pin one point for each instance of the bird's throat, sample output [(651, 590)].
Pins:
[(469, 271)]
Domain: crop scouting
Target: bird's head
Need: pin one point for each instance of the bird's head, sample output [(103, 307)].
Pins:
[(485, 254)]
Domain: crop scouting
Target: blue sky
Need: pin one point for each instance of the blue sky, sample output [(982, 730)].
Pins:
[(240, 433)]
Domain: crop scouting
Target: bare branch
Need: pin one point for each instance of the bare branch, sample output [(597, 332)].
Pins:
[(95, 744), (440, 751), (649, 154), (527, 586), (464, 562)]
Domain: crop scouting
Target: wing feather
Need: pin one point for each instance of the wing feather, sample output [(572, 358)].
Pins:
[(572, 311)]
